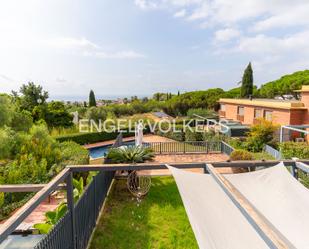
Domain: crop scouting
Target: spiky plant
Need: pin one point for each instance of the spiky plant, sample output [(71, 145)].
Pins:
[(130, 154)]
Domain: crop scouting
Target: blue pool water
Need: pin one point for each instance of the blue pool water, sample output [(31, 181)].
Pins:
[(102, 150)]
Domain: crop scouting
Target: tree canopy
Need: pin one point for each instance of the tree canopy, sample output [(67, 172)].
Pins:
[(247, 82), (287, 84), (31, 96), (92, 100)]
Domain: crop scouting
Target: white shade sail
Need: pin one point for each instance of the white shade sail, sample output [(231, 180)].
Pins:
[(215, 220), (218, 223)]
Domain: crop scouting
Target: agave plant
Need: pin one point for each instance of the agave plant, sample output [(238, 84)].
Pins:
[(130, 154)]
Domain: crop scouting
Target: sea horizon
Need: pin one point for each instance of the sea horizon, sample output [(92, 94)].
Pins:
[(98, 97)]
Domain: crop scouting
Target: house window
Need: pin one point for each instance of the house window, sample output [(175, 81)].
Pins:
[(222, 107), (268, 115), (257, 113), (241, 111)]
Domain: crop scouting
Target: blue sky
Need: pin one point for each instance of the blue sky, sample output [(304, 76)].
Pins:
[(138, 47)]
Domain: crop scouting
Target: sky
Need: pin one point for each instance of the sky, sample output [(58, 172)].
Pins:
[(138, 47)]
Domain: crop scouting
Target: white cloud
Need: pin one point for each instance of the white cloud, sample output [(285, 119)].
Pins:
[(72, 43), (262, 14), (295, 16), (261, 44), (5, 77), (145, 4), (201, 12), (226, 34), (160, 4), (180, 13), (126, 54), (74, 46)]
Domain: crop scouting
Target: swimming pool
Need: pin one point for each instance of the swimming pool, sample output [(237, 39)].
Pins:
[(102, 150)]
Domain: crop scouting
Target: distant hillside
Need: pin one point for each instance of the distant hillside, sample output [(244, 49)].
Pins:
[(285, 85), (181, 104)]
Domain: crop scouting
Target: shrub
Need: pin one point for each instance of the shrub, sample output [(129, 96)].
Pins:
[(295, 149), (71, 153), (299, 150), (259, 135), (241, 155), (92, 137), (236, 143), (57, 116), (22, 121), (96, 113), (7, 143), (130, 154)]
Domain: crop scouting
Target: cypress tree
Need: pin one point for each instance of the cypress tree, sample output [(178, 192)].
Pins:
[(247, 82), (92, 101)]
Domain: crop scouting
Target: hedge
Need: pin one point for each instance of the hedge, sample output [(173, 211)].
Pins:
[(294, 149), (94, 137)]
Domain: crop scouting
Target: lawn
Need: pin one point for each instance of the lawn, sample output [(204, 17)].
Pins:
[(157, 221), (262, 156)]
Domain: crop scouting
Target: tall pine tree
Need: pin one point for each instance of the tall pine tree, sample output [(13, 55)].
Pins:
[(247, 82), (92, 101)]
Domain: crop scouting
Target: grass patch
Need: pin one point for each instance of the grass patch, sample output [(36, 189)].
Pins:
[(158, 221), (262, 156)]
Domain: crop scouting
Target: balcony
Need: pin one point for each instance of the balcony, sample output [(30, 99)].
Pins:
[(240, 118), (126, 222)]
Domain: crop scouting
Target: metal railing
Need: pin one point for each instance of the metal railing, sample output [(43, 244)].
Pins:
[(85, 215), (60, 236), (226, 148), (184, 147), (273, 152), (74, 230)]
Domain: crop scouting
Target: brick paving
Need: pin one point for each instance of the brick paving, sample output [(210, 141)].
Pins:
[(38, 214)]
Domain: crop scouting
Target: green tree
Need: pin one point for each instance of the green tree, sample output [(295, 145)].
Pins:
[(247, 82), (57, 115), (179, 105), (6, 110), (287, 84), (96, 113), (22, 121), (7, 143), (32, 96), (92, 101)]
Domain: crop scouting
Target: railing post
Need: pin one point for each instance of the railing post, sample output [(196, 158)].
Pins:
[(160, 147), (70, 202), (184, 147), (294, 168), (94, 197), (294, 171)]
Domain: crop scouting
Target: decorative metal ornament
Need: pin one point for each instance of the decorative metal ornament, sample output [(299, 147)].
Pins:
[(138, 185)]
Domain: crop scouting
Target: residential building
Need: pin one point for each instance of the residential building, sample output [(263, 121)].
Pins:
[(282, 112)]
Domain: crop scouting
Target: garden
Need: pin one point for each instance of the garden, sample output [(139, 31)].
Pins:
[(158, 220)]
